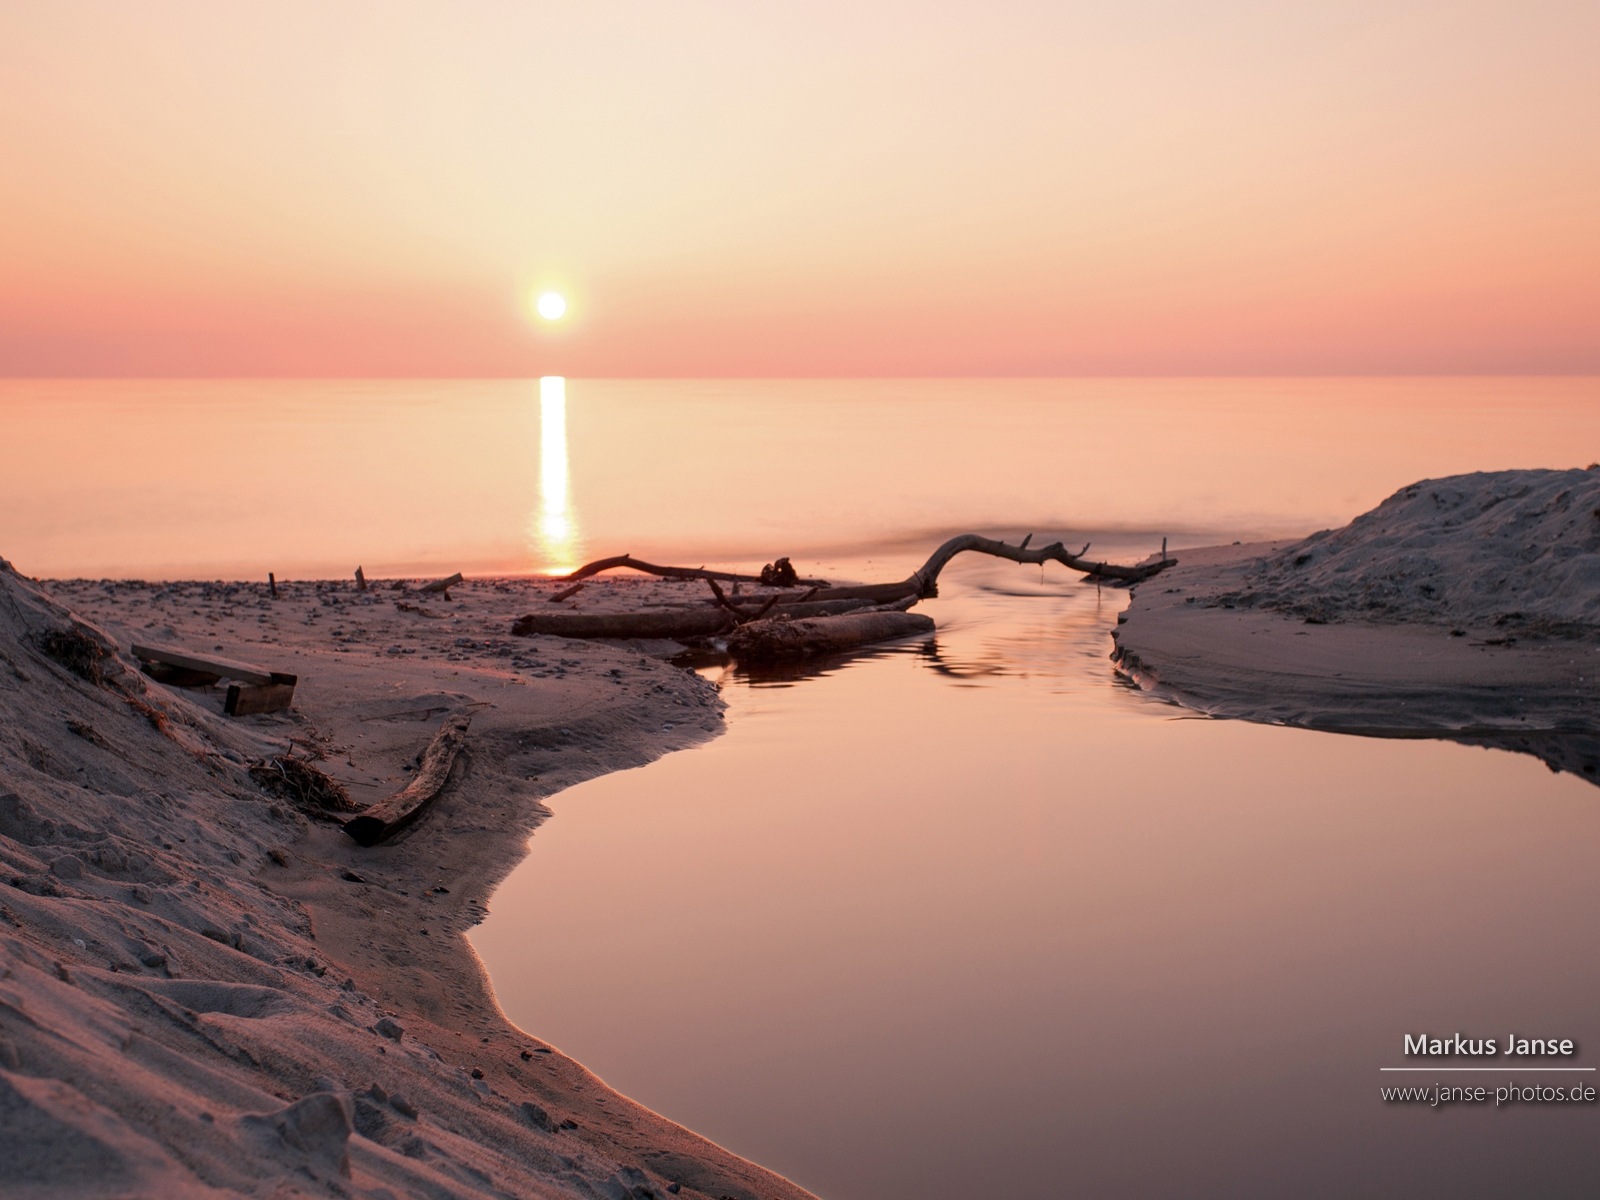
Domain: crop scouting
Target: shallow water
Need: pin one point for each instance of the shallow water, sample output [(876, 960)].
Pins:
[(970, 916), (975, 918)]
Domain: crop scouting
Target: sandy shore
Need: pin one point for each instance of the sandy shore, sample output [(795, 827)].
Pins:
[(1188, 636), (204, 990)]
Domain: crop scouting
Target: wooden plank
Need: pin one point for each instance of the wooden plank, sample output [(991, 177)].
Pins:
[(244, 699), (178, 676), (388, 817), (223, 668)]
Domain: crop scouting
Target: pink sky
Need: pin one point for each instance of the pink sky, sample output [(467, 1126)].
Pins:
[(725, 188)]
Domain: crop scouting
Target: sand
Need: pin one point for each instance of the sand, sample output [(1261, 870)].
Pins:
[(1466, 608), (205, 990)]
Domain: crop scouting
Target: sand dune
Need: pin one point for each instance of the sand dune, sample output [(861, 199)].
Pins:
[(1466, 608), (205, 990)]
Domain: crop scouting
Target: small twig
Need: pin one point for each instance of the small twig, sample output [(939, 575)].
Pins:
[(722, 598), (764, 609), (745, 615), (565, 592)]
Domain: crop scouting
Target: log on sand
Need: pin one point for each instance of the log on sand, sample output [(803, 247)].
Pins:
[(770, 639), (638, 564), (388, 817), (674, 623), (662, 623), (442, 585), (737, 615)]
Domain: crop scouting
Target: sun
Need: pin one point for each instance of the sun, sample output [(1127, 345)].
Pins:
[(552, 306)]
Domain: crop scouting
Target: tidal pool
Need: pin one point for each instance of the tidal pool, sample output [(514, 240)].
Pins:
[(975, 917)]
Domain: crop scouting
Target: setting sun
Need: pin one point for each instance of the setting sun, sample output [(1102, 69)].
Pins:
[(552, 306)]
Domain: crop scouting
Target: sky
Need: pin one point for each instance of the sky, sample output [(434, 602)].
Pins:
[(218, 188)]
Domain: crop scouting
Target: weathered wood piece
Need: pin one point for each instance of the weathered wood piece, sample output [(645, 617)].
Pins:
[(924, 582), (821, 601), (361, 581), (674, 623), (244, 699), (388, 817), (637, 564), (442, 585), (222, 668), (661, 623), (179, 676), (773, 639)]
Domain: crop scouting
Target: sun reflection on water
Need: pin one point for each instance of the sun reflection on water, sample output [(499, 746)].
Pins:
[(553, 531)]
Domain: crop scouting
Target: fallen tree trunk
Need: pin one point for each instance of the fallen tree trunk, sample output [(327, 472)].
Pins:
[(772, 639), (675, 623), (663, 623), (636, 564), (388, 817)]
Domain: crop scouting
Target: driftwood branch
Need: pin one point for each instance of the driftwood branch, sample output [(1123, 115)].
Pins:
[(388, 817), (823, 618), (637, 564), (442, 585), (744, 615), (926, 578)]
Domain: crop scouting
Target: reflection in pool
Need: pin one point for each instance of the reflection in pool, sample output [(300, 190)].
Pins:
[(973, 917)]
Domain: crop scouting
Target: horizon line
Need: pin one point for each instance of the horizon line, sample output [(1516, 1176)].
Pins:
[(820, 378)]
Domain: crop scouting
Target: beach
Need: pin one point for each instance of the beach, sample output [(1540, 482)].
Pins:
[(209, 988), (206, 990), (1462, 608)]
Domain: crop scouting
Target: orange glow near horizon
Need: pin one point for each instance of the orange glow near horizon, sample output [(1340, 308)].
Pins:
[(1039, 189)]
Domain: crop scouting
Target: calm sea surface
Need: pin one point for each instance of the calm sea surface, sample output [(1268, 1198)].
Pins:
[(970, 916)]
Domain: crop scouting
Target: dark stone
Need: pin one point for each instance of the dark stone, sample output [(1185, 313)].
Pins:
[(537, 1117)]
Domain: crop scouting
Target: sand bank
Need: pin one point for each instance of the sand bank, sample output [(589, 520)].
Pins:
[(1466, 608), (204, 990)]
